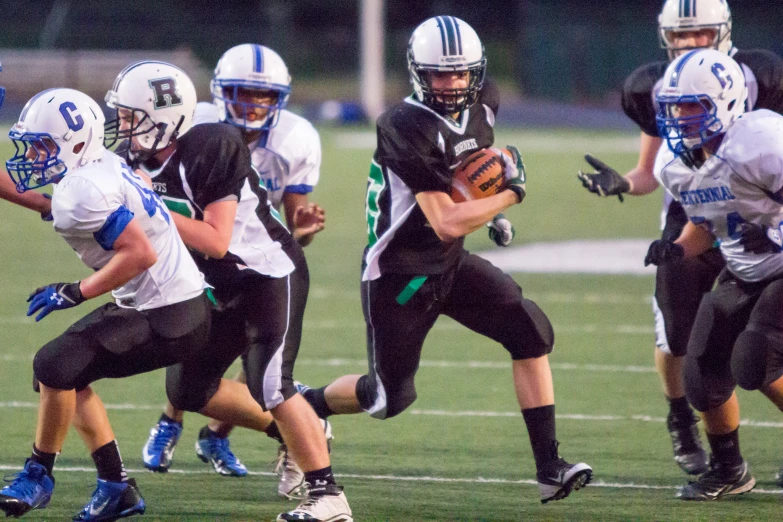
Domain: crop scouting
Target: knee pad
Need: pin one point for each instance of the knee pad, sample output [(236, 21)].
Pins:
[(704, 389), (389, 403), (749, 359), (186, 395), (49, 371)]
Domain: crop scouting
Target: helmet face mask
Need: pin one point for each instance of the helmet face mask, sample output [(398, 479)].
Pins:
[(442, 45), (59, 130), (694, 17), (703, 94), (250, 87), (154, 103)]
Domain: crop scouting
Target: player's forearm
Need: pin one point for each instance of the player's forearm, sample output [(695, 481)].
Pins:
[(642, 181), (202, 236), (454, 220), (30, 199), (695, 240), (124, 266)]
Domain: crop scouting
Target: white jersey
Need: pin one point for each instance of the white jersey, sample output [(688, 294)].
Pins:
[(288, 158), (738, 184), (91, 207)]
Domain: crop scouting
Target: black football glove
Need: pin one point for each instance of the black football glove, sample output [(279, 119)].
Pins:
[(662, 252), (605, 181), (515, 174), (760, 239), (501, 231)]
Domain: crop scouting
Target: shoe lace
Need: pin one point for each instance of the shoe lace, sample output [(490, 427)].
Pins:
[(23, 482), (167, 432), (222, 451)]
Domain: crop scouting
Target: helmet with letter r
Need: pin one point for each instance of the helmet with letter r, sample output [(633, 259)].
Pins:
[(59, 130), (441, 45), (154, 103)]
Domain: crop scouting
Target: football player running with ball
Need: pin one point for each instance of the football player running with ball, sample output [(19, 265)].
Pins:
[(679, 287), (223, 214), (250, 90), (415, 267), (724, 167)]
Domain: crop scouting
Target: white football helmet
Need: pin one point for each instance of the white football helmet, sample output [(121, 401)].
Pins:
[(442, 44), (250, 67), (694, 15), (159, 100), (59, 130), (703, 93)]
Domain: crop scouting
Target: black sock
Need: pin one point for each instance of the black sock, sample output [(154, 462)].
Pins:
[(317, 399), (726, 448), (319, 479), (44, 459), (164, 417), (679, 407), (109, 463), (206, 433), (273, 433), (541, 429)]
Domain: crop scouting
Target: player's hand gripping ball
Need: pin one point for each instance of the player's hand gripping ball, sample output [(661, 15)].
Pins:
[(480, 175)]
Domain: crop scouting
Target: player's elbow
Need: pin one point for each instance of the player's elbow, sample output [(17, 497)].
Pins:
[(448, 231), (147, 258)]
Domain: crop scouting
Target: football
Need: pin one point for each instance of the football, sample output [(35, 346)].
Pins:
[(480, 175)]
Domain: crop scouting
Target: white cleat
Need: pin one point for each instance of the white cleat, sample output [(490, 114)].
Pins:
[(329, 506), (292, 481)]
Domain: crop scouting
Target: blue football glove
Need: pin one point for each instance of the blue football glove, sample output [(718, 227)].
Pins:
[(57, 296), (516, 175), (501, 231), (760, 239), (46, 215)]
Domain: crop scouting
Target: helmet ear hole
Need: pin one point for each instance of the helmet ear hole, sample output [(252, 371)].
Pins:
[(731, 104), (78, 148)]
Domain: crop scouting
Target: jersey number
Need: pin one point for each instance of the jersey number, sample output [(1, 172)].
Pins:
[(149, 199), (733, 224)]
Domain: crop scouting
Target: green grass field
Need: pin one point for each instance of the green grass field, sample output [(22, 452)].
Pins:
[(461, 452)]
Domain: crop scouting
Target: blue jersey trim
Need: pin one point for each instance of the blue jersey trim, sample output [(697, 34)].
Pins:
[(114, 226), (299, 189)]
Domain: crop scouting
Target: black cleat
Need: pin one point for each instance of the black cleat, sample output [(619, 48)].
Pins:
[(557, 480), (719, 481), (686, 443)]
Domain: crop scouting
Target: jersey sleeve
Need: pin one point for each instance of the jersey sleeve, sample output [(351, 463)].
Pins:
[(405, 149), (306, 168), (205, 113), (767, 67), (637, 96), (756, 149), (216, 162), (80, 208)]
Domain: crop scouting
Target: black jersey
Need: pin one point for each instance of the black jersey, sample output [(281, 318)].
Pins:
[(763, 75), (212, 164), (417, 151)]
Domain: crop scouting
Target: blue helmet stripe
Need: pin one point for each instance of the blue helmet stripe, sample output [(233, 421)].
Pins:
[(693, 7), (442, 36), (30, 103), (258, 62), (677, 70), (459, 36)]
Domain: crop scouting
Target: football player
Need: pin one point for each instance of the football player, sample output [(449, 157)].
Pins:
[(724, 168), (121, 230), (257, 269), (250, 90), (415, 267), (679, 287)]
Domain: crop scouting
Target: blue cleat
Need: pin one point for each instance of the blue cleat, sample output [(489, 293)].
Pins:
[(217, 451), (158, 452), (31, 488), (112, 500)]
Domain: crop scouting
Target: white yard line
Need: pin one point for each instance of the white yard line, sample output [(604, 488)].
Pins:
[(443, 413), (403, 478)]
